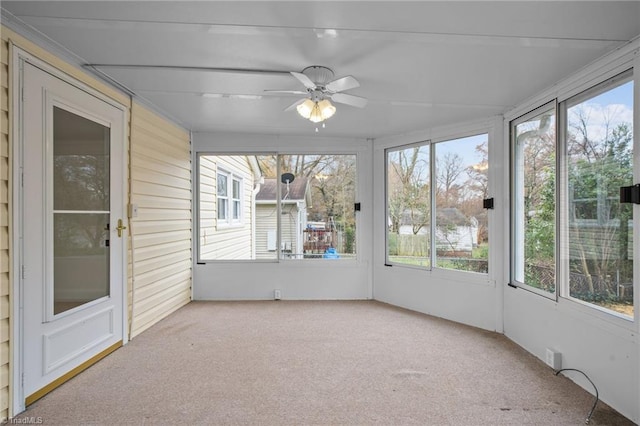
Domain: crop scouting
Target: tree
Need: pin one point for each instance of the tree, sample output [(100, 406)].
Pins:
[(408, 189)]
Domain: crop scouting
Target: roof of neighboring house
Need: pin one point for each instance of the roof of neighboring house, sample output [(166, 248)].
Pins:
[(297, 190), (451, 216)]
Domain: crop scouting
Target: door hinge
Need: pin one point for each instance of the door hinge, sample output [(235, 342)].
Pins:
[(24, 272)]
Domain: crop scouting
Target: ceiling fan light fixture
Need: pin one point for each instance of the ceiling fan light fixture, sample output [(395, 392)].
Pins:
[(306, 108), (317, 111), (326, 109)]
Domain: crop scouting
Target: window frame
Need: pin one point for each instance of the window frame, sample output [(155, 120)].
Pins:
[(595, 89), (388, 262), (278, 258), (473, 129), (229, 220), (434, 224), (514, 225)]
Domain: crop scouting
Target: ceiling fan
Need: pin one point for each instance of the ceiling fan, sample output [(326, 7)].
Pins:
[(320, 89)]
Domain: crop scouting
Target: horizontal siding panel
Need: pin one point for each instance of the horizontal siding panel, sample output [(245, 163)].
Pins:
[(4, 72), (4, 103), (148, 146), (4, 51), (4, 375), (148, 275), (149, 318), (4, 284), (4, 329), (148, 135), (151, 227), (4, 352), (155, 202), (164, 214), (146, 293), (4, 215), (4, 191), (162, 297), (147, 164), (4, 120), (160, 250), (4, 237), (4, 144), (146, 265), (4, 307), (160, 178), (4, 261), (169, 157), (158, 190), (146, 116), (147, 279), (4, 168), (147, 240)]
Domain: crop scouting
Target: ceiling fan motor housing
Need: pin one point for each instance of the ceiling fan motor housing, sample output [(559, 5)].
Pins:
[(318, 74)]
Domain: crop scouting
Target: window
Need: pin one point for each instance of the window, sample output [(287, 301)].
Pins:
[(588, 257), (223, 199), (409, 206), (269, 207), (461, 222), (598, 253), (534, 199), (229, 198), (435, 214)]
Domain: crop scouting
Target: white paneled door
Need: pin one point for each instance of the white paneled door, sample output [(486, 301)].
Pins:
[(73, 230)]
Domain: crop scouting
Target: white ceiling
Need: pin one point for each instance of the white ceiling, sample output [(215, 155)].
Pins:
[(420, 64)]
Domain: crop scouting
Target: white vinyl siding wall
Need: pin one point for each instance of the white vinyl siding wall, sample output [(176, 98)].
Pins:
[(225, 240), (266, 221), (161, 233), (4, 231)]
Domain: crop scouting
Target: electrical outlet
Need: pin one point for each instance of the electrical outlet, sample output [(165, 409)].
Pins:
[(554, 359), (277, 294)]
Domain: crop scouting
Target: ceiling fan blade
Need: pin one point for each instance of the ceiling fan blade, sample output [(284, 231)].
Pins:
[(355, 101), (287, 92), (304, 80), (295, 104), (341, 84)]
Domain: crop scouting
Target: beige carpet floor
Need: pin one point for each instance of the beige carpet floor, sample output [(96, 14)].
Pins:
[(322, 363)]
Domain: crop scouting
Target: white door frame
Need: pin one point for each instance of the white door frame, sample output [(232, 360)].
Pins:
[(16, 304)]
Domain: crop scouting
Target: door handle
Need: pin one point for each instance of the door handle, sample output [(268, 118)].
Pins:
[(120, 227)]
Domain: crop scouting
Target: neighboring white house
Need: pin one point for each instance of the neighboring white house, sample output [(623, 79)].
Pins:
[(454, 231), (295, 197), (228, 185)]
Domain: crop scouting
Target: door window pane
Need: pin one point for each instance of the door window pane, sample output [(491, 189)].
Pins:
[(599, 138), (81, 259), (462, 237), (409, 206), (81, 210), (534, 200)]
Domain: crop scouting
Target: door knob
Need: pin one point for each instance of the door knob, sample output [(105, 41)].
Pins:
[(120, 227)]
